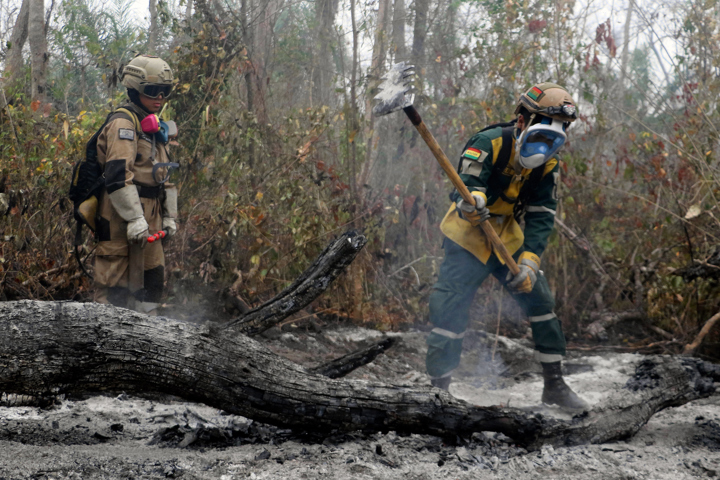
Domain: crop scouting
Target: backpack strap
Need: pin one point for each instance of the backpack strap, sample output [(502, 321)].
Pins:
[(504, 154), (123, 112), (531, 184)]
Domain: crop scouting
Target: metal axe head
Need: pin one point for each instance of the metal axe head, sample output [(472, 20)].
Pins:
[(393, 89)]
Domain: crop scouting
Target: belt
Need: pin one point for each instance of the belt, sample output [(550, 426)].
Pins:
[(149, 192)]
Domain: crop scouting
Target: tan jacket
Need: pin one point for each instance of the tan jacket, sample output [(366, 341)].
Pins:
[(127, 156)]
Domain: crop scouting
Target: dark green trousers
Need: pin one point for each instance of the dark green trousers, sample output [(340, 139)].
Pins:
[(461, 273)]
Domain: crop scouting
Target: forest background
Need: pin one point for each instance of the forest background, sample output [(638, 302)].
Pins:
[(279, 153)]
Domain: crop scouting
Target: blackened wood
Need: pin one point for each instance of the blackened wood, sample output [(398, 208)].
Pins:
[(659, 382), (342, 366), (306, 288), (53, 348), (708, 269)]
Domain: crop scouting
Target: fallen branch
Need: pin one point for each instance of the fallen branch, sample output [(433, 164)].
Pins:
[(53, 348), (306, 288), (342, 366), (691, 347)]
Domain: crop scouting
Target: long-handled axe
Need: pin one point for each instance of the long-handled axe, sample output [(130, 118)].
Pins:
[(393, 97)]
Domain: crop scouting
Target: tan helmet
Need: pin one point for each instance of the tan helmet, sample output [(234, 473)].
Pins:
[(550, 100), (149, 75)]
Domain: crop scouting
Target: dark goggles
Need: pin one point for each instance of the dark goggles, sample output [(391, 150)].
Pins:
[(154, 90), (569, 111)]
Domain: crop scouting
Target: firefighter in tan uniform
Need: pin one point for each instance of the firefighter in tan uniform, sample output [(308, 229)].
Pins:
[(137, 200)]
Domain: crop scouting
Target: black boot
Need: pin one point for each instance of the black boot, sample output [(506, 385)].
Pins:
[(556, 391), (442, 382)]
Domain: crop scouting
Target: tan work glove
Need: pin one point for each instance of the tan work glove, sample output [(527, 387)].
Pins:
[(524, 281), (126, 202), (475, 214), (170, 211)]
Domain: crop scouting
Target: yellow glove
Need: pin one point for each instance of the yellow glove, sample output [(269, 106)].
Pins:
[(524, 281), (475, 214)]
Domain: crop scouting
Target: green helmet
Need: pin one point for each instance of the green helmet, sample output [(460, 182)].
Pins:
[(149, 75)]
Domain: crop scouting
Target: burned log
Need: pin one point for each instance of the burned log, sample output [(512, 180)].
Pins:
[(342, 366), (52, 348), (306, 288)]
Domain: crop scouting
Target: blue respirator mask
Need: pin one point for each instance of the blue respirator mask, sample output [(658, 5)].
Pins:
[(539, 142)]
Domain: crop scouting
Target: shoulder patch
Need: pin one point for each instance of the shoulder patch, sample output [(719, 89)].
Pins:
[(475, 154), (127, 134)]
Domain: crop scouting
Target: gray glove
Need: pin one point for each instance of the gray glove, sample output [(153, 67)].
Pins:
[(126, 202), (170, 211), (524, 281), (475, 214)]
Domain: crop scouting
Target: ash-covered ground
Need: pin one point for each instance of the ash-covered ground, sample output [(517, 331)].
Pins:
[(134, 438)]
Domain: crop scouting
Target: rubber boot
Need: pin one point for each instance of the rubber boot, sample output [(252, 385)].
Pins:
[(442, 383), (557, 392)]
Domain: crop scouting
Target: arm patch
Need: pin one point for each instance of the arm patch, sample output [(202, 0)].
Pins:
[(126, 134), (475, 154)]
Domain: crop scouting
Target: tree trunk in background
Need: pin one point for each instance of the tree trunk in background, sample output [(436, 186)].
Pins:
[(38, 48), (400, 50), (188, 11), (374, 74), (14, 60), (354, 122), (626, 43), (267, 14), (323, 68), (248, 39), (153, 32), (399, 31), (419, 34)]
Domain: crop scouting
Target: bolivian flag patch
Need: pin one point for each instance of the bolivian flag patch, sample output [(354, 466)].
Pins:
[(475, 154), (535, 93)]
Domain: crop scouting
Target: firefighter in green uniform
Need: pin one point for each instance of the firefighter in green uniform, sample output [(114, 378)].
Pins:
[(137, 200), (511, 172)]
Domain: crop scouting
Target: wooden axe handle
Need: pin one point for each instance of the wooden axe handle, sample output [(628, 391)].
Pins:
[(442, 159)]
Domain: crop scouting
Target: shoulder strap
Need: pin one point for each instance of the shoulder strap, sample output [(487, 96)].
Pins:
[(504, 154), (531, 184), (122, 112)]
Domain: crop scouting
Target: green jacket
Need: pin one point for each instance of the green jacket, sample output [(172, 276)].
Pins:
[(502, 190)]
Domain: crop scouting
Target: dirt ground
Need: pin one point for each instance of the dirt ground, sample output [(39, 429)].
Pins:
[(137, 438)]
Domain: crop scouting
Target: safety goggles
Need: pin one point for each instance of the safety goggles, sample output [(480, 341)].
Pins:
[(154, 90), (542, 140)]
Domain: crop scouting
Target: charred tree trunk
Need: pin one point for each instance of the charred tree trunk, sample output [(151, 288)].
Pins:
[(51, 348)]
